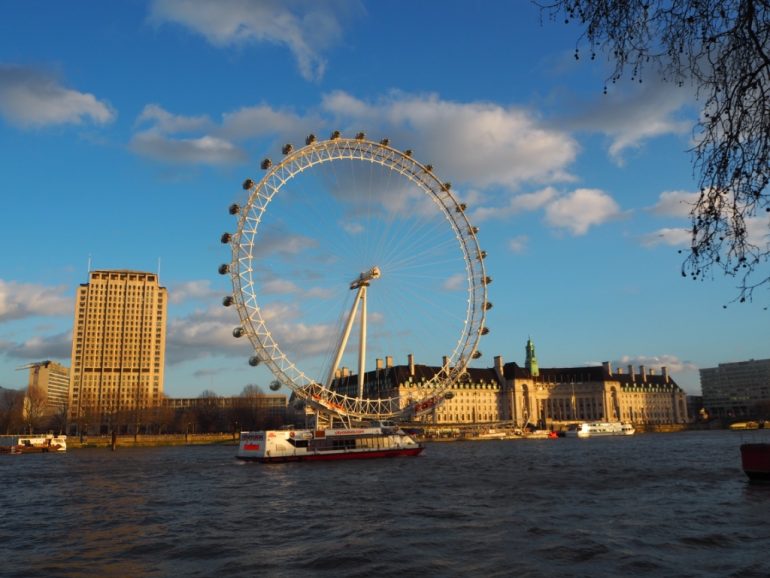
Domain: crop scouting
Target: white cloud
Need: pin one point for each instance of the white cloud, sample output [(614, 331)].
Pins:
[(307, 29), (279, 287), (667, 236), (165, 122), (255, 121), (516, 204), (675, 203), (204, 333), (581, 209), (483, 143), (518, 244), (203, 150), (455, 283), (32, 98), (758, 230), (21, 300), (57, 347), (632, 117), (656, 362), (192, 290)]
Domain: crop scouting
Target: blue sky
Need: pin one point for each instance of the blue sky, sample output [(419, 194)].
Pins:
[(126, 129)]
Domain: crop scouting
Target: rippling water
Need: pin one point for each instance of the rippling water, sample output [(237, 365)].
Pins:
[(650, 505)]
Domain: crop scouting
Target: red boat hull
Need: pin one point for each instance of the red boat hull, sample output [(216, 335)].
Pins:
[(315, 457), (755, 459)]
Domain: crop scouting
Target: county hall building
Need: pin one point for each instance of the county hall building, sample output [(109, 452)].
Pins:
[(531, 395)]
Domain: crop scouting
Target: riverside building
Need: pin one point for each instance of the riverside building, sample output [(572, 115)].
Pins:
[(50, 381), (531, 395), (739, 389), (118, 351)]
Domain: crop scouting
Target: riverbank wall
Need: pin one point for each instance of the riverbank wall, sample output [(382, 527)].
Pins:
[(134, 441)]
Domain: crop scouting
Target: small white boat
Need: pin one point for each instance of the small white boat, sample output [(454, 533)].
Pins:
[(33, 444), (601, 428), (326, 444)]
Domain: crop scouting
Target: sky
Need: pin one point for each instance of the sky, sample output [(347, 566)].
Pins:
[(127, 128)]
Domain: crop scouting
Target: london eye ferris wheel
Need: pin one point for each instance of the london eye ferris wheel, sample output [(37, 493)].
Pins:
[(347, 246)]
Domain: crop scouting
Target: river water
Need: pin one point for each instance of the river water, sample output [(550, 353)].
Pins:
[(649, 505)]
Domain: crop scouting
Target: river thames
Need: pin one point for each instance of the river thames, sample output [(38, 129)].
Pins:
[(649, 505)]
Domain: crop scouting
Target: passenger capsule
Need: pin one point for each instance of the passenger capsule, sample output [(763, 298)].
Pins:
[(408, 152), (228, 300), (224, 269), (287, 148), (226, 237), (484, 330), (429, 168), (234, 209), (238, 332), (482, 255), (476, 354), (254, 361), (335, 135), (473, 230), (487, 280), (447, 186), (275, 386), (266, 164), (461, 207), (385, 142), (488, 305), (310, 139), (360, 136)]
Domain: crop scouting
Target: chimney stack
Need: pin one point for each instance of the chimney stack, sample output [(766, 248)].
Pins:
[(642, 374), (607, 368), (410, 359), (388, 361), (379, 363), (664, 371), (631, 372)]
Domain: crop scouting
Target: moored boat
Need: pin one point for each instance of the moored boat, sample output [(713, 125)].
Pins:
[(29, 444), (326, 444), (601, 428), (755, 460)]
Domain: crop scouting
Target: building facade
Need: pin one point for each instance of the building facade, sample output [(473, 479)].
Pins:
[(118, 349), (740, 389), (531, 395), (50, 383)]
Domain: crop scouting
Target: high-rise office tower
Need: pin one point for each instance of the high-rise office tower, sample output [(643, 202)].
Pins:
[(118, 350)]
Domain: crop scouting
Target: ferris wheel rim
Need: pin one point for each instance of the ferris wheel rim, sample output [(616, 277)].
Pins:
[(253, 325)]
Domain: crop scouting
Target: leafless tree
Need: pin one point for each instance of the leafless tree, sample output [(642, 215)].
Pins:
[(35, 407), (11, 409), (722, 47)]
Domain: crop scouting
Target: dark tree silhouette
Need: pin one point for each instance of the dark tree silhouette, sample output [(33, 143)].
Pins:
[(722, 47)]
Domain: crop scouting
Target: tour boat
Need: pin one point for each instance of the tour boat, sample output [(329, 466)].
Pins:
[(601, 428), (755, 459), (326, 444), (33, 444)]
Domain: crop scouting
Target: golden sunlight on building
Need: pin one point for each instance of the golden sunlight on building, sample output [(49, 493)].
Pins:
[(118, 349)]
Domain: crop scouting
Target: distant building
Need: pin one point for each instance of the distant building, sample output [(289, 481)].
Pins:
[(50, 381), (118, 349), (273, 403), (533, 395), (739, 389)]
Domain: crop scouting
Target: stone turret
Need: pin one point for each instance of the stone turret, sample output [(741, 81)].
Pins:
[(531, 361)]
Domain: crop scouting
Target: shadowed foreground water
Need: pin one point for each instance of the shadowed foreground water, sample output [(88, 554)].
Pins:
[(650, 505)]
